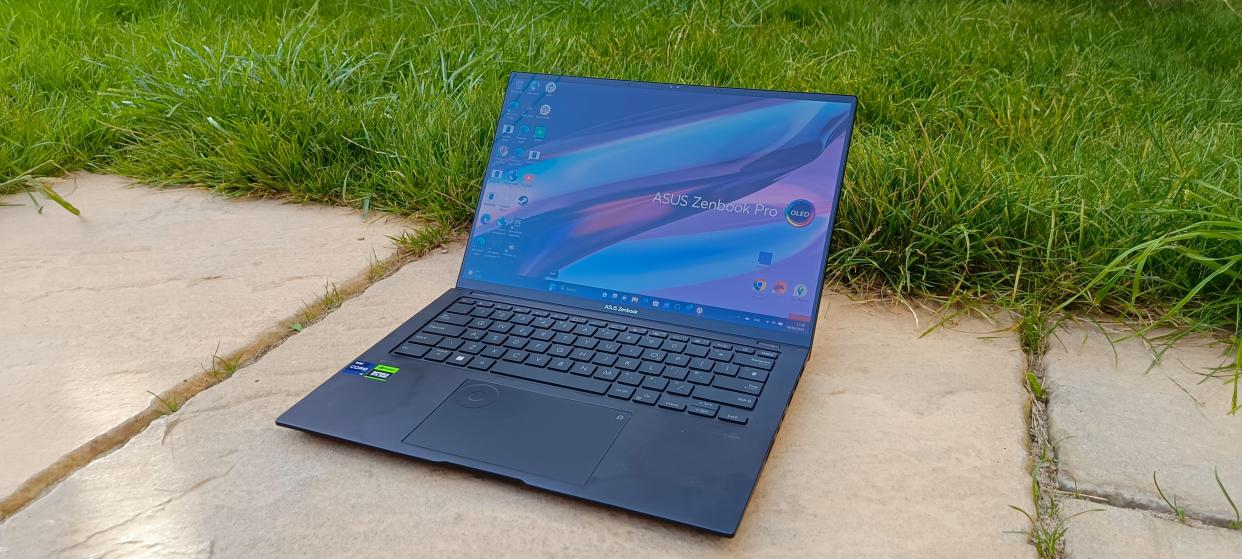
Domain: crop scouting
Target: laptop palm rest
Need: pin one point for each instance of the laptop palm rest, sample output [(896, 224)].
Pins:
[(522, 430)]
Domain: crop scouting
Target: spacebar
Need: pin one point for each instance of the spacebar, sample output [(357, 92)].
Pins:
[(560, 379)]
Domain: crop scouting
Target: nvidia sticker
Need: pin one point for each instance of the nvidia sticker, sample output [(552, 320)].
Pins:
[(370, 370)]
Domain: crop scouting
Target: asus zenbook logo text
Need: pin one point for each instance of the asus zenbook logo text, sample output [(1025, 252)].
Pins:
[(620, 309)]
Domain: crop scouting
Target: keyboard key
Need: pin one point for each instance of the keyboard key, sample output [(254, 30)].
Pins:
[(646, 397), (437, 355), (472, 347), (701, 364), (629, 338), (522, 319), (538, 347), (495, 338), (655, 383), (474, 335), (560, 364), (739, 385), (673, 347), (604, 359), (754, 361), (581, 354), (449, 343), (700, 377), (515, 342), (543, 335), (676, 373), (722, 345), (767, 353), (610, 347), (700, 341), (523, 331), (584, 369), (631, 351), (577, 320), (744, 349), (679, 337), (563, 326), (538, 360), (516, 356), (705, 412), (560, 351), (629, 364), (637, 330), (480, 323), (631, 378), (451, 318), (591, 385), (696, 351), (597, 323), (720, 355), (588, 343), (466, 300), (412, 350), (503, 307), (703, 404), (538, 312), (485, 304), (654, 355), (650, 342), (606, 334), (426, 339), (444, 329), (460, 308), (680, 388), (606, 373), (756, 375), (493, 351), (670, 403), (559, 316), (481, 312), (727, 369), (459, 359), (678, 360), (620, 391), (565, 338), (727, 397), (734, 417), (521, 310), (585, 330), (501, 327)]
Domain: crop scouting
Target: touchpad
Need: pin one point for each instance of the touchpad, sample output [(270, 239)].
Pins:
[(523, 430)]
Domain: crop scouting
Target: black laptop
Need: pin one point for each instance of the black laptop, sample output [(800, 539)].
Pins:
[(635, 305)]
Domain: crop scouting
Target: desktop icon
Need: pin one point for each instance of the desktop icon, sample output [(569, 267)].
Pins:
[(524, 129), (502, 151), (765, 259), (779, 287), (540, 131), (528, 178), (759, 285), (800, 291), (522, 200), (550, 88), (519, 152), (498, 174), (485, 219), (506, 129), (511, 176), (534, 155), (545, 110)]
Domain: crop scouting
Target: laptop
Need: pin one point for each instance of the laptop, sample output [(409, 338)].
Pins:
[(636, 302)]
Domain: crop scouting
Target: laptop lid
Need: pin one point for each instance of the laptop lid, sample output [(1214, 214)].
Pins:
[(699, 206)]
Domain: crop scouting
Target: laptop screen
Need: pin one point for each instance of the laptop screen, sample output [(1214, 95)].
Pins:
[(711, 204)]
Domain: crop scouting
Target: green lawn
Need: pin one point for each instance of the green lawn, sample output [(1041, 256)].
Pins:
[(1014, 152)]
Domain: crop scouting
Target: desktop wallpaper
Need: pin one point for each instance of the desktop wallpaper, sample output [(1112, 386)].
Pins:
[(713, 201)]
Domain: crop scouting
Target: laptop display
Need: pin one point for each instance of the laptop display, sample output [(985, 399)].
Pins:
[(711, 204)]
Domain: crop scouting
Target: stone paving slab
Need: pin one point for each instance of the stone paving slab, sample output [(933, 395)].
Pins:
[(137, 294), (1108, 531), (1114, 422), (894, 446)]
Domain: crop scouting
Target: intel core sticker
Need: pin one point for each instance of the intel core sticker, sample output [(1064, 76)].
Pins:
[(369, 370)]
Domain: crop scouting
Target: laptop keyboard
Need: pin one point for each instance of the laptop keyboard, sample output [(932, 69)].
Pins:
[(679, 373)]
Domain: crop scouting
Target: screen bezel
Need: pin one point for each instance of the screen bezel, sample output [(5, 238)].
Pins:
[(777, 336)]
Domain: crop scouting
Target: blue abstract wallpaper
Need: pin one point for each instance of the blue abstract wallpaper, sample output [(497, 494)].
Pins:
[(716, 201)]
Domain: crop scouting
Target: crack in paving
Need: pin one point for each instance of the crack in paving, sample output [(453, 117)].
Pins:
[(101, 445)]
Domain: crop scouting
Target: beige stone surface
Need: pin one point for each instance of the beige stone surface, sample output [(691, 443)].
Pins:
[(895, 446), (1115, 422), (138, 293), (1109, 532)]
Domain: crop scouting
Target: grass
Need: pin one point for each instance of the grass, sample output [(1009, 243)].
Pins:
[(1049, 156), (1179, 511)]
